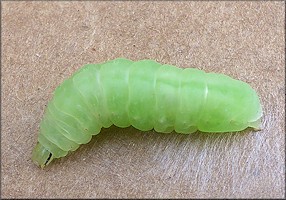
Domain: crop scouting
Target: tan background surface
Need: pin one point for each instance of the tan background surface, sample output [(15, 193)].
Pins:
[(44, 43)]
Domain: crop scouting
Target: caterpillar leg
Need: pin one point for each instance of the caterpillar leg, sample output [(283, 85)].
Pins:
[(41, 156), (256, 125), (186, 129)]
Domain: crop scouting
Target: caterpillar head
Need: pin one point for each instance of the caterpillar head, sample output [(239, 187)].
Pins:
[(41, 156)]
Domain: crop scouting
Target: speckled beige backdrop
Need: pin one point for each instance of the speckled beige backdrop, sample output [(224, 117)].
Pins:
[(45, 42)]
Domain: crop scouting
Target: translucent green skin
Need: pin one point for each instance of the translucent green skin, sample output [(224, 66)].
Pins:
[(146, 95)]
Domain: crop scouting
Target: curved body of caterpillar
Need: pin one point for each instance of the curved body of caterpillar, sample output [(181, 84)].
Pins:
[(146, 95)]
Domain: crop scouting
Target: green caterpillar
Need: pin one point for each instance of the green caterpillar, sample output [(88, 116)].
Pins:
[(146, 95)]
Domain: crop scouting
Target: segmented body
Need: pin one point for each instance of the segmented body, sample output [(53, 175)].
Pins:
[(146, 95)]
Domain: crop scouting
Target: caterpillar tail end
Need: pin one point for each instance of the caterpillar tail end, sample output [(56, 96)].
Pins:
[(41, 156), (256, 123)]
